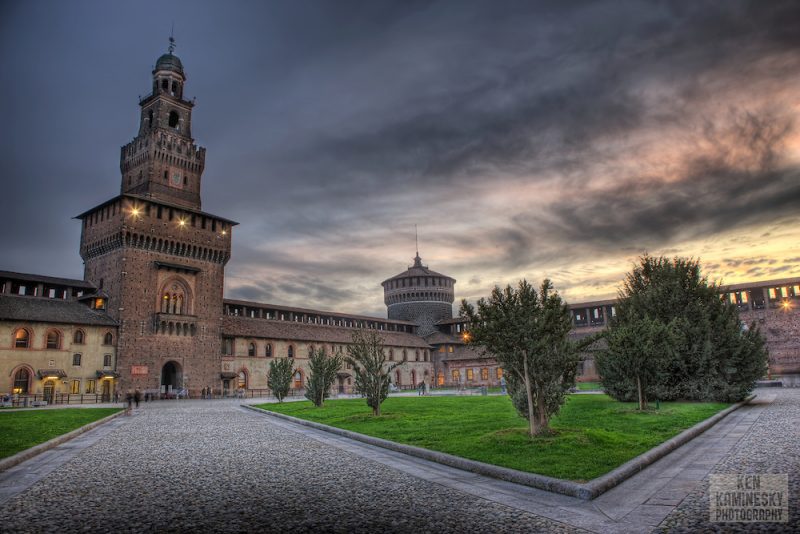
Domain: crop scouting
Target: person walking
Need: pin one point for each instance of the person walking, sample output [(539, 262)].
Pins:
[(137, 396), (129, 399)]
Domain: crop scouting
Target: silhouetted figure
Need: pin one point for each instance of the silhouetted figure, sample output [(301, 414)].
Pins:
[(137, 396)]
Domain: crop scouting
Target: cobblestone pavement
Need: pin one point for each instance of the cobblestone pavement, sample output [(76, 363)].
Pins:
[(212, 466), (772, 445)]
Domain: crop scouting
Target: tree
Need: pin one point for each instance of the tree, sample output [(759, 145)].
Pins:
[(322, 374), (372, 374), (634, 358), (710, 355), (280, 377), (527, 332)]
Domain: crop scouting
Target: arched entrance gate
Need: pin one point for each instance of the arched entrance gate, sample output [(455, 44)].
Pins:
[(171, 378)]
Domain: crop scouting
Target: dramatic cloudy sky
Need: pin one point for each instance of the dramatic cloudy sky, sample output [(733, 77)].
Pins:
[(525, 139)]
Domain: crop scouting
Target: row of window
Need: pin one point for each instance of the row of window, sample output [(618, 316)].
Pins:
[(77, 358), (325, 320), (419, 295), (23, 376), (419, 281), (53, 338), (252, 351), (470, 374)]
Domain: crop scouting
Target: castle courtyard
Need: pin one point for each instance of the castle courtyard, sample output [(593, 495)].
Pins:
[(215, 466)]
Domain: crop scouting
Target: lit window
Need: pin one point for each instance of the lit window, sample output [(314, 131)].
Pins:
[(499, 372), (76, 360), (772, 293), (732, 298), (242, 380), (91, 386), (22, 339), (298, 380), (450, 348), (456, 375), (75, 386), (485, 373), (22, 379), (469, 374), (744, 297), (784, 292), (441, 348)]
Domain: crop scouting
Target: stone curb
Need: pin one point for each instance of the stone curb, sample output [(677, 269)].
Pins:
[(587, 491), (603, 483), (27, 454)]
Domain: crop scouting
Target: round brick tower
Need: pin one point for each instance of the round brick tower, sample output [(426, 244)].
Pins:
[(419, 295)]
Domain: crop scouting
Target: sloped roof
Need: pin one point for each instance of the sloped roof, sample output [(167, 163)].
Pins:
[(44, 310), (294, 331), (27, 277), (439, 338), (418, 270)]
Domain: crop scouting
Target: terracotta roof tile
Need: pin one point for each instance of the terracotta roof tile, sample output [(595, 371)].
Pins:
[(44, 310)]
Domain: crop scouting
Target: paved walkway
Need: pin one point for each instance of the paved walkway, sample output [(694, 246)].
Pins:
[(214, 466)]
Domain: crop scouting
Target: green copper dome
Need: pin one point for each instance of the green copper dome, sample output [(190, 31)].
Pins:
[(170, 62)]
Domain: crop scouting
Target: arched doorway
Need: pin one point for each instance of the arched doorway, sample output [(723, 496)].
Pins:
[(22, 381), (170, 377)]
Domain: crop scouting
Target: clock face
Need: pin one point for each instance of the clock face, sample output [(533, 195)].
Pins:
[(176, 180)]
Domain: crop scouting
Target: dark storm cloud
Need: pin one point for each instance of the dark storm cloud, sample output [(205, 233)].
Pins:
[(332, 128)]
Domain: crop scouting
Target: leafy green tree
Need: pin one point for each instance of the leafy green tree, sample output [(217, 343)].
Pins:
[(635, 355), (322, 374), (710, 355), (280, 377), (527, 332), (372, 373)]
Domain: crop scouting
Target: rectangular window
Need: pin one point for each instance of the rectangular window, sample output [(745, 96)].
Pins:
[(456, 376), (76, 360), (796, 290), (744, 297), (732, 298), (485, 374), (227, 346), (159, 212), (75, 386), (784, 292), (499, 372), (469, 374), (106, 360), (91, 386), (772, 293), (450, 348)]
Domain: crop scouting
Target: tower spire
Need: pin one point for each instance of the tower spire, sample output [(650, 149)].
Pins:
[(417, 259), (171, 47)]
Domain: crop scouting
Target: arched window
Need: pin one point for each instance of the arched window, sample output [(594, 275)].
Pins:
[(440, 378), (78, 337), (165, 84), (268, 350), (398, 378), (22, 380), (173, 119), (416, 356), (22, 339), (310, 351), (76, 360), (53, 339), (290, 351), (298, 380), (485, 373), (391, 355), (241, 382), (175, 298), (108, 339), (405, 355), (251, 349), (456, 375)]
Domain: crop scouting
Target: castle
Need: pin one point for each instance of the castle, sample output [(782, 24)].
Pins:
[(150, 312)]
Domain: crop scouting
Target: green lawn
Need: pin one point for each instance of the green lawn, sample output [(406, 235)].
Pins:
[(24, 429), (593, 433), (589, 386)]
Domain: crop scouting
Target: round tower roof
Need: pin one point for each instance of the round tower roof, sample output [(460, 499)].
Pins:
[(417, 270), (171, 62)]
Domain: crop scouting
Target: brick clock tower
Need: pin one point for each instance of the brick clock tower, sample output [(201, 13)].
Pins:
[(157, 256)]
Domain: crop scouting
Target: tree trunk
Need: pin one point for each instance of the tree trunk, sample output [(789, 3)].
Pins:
[(642, 398), (529, 393)]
